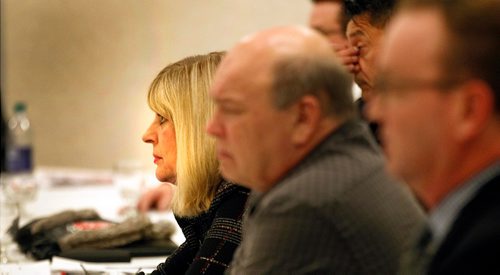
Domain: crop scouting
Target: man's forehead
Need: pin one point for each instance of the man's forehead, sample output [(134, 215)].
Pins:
[(250, 64), (242, 63), (236, 77), (358, 26), (420, 33), (325, 12), (248, 61)]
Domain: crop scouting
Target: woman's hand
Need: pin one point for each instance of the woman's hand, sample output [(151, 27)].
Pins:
[(159, 198)]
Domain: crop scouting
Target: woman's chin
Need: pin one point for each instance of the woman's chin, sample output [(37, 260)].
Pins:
[(165, 177)]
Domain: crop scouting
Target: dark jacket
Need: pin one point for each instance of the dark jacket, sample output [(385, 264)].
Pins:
[(473, 244), (212, 237)]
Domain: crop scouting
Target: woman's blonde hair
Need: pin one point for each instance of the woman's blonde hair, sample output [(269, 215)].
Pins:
[(180, 94)]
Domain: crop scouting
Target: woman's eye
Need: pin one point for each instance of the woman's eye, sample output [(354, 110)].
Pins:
[(161, 119)]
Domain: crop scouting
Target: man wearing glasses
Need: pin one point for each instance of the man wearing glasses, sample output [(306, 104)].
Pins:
[(437, 101)]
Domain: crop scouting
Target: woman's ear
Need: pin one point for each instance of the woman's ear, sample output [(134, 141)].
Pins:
[(307, 119)]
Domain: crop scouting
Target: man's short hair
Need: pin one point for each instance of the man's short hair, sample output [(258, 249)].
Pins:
[(473, 48), (344, 19), (325, 79), (379, 11)]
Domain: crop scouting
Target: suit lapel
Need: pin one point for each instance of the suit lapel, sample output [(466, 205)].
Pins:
[(487, 199)]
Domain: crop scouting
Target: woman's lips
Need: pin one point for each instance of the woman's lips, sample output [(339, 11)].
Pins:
[(156, 159)]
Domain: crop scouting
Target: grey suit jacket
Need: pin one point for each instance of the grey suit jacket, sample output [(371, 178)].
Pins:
[(337, 212)]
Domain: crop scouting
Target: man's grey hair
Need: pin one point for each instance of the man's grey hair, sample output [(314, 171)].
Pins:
[(324, 78)]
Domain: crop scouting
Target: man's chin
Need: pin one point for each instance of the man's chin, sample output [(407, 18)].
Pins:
[(397, 171), (232, 176), (391, 164), (366, 93), (227, 173)]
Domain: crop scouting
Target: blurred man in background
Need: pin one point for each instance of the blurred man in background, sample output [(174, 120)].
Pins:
[(365, 29), (327, 17), (438, 105)]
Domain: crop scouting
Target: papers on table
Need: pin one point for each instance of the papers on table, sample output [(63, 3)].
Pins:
[(146, 264), (68, 177), (35, 268), (67, 266)]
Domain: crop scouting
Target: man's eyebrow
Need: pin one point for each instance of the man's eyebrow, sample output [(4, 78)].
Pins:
[(226, 100), (318, 28), (325, 30)]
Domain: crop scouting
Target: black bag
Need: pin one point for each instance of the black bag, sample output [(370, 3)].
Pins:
[(83, 235)]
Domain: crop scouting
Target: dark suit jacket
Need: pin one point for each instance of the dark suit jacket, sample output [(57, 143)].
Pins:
[(360, 103), (473, 244), (336, 212)]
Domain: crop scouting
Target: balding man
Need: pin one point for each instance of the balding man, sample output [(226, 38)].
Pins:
[(285, 127)]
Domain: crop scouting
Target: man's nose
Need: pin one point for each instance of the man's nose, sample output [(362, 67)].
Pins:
[(214, 127)]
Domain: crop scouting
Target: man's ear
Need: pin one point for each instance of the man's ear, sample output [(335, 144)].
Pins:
[(476, 104), (307, 119)]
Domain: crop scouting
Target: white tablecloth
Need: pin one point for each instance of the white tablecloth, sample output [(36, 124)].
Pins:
[(79, 189)]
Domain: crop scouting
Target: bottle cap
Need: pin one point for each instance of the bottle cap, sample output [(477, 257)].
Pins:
[(19, 107)]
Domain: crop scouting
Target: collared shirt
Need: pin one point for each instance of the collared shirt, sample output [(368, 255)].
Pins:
[(444, 215)]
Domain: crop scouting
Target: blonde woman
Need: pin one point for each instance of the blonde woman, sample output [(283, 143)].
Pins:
[(207, 208)]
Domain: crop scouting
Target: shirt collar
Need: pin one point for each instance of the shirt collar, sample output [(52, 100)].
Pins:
[(445, 214)]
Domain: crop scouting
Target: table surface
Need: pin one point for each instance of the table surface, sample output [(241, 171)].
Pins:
[(77, 189)]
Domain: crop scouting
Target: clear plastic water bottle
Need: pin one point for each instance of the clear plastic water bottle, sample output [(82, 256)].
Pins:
[(19, 142), (19, 184)]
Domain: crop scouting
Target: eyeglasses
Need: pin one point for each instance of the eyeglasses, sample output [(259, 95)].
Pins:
[(388, 87)]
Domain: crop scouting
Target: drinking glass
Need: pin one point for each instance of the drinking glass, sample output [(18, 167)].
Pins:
[(19, 189), (128, 178), (9, 216)]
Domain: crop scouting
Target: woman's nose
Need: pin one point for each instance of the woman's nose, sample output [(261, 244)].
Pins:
[(148, 136)]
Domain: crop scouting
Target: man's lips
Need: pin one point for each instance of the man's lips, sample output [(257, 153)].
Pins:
[(223, 154)]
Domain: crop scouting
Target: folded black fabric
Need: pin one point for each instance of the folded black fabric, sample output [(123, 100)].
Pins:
[(122, 254), (150, 248), (83, 235), (106, 235), (39, 237), (97, 255)]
